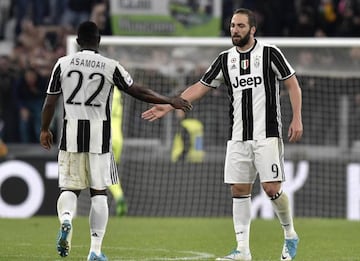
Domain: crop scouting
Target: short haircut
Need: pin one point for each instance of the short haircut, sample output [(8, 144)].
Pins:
[(249, 13), (88, 32)]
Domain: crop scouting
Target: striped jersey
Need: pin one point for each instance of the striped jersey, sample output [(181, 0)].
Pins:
[(86, 80), (252, 78)]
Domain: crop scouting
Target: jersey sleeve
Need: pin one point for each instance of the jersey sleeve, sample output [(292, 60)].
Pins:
[(280, 65), (54, 86), (213, 77), (122, 79)]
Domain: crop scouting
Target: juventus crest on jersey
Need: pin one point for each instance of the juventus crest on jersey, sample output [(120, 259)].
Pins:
[(86, 80), (252, 78)]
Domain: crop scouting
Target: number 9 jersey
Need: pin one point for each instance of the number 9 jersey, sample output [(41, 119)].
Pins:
[(86, 80)]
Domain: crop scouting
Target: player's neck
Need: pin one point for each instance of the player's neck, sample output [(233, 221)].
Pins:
[(89, 49), (247, 47)]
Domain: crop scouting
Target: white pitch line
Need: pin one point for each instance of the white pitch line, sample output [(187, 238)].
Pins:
[(189, 255)]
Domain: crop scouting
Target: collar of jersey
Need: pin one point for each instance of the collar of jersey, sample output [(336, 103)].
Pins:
[(248, 50), (88, 50)]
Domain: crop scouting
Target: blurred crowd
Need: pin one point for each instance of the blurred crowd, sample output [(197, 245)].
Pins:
[(37, 31), (300, 18)]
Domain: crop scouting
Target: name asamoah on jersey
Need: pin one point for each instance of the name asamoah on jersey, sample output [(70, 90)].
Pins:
[(88, 63)]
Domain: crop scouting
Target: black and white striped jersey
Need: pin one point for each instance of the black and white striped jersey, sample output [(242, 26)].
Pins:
[(252, 78), (86, 80)]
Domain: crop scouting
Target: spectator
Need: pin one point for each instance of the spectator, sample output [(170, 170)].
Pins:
[(100, 15), (306, 23), (76, 12), (37, 12), (188, 140), (349, 20), (30, 35), (56, 10), (30, 93), (8, 110), (327, 18), (5, 13), (3, 149), (279, 17), (42, 45)]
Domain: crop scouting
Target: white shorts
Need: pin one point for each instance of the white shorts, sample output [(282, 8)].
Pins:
[(245, 159), (83, 170)]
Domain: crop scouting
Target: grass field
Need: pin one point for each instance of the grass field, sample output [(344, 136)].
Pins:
[(134, 238)]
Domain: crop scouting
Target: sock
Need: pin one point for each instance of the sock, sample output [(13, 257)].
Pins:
[(242, 219), (98, 218), (66, 206), (116, 191), (281, 207)]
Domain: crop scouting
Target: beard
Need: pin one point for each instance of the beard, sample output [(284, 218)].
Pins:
[(242, 41)]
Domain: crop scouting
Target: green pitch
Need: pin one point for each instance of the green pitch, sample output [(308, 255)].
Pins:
[(145, 239)]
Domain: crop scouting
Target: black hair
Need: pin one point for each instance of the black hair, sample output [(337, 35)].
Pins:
[(249, 13), (88, 33)]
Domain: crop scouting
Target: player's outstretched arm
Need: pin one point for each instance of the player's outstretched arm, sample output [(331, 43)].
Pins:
[(150, 96), (192, 93), (156, 112)]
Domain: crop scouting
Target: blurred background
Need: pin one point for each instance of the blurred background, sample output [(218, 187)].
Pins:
[(319, 38)]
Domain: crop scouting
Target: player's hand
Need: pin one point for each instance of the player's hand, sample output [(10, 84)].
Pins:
[(46, 139), (180, 103), (295, 131), (156, 112)]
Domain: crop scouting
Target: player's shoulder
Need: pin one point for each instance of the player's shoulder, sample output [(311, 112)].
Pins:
[(229, 50), (64, 58), (61, 62), (264, 43), (109, 61), (106, 58)]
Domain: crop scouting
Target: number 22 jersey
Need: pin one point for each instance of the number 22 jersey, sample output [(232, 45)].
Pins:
[(86, 80)]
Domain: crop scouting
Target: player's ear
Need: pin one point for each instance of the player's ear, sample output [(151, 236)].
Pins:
[(253, 30)]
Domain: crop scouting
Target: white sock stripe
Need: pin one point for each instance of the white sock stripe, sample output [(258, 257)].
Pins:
[(277, 195), (242, 196)]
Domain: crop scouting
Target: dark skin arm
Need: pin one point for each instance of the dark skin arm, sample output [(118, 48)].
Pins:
[(150, 96), (137, 91), (48, 110)]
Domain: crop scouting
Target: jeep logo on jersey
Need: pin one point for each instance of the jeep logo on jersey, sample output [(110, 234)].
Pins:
[(247, 82), (244, 64)]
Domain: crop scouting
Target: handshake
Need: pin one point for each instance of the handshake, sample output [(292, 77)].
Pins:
[(159, 110)]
